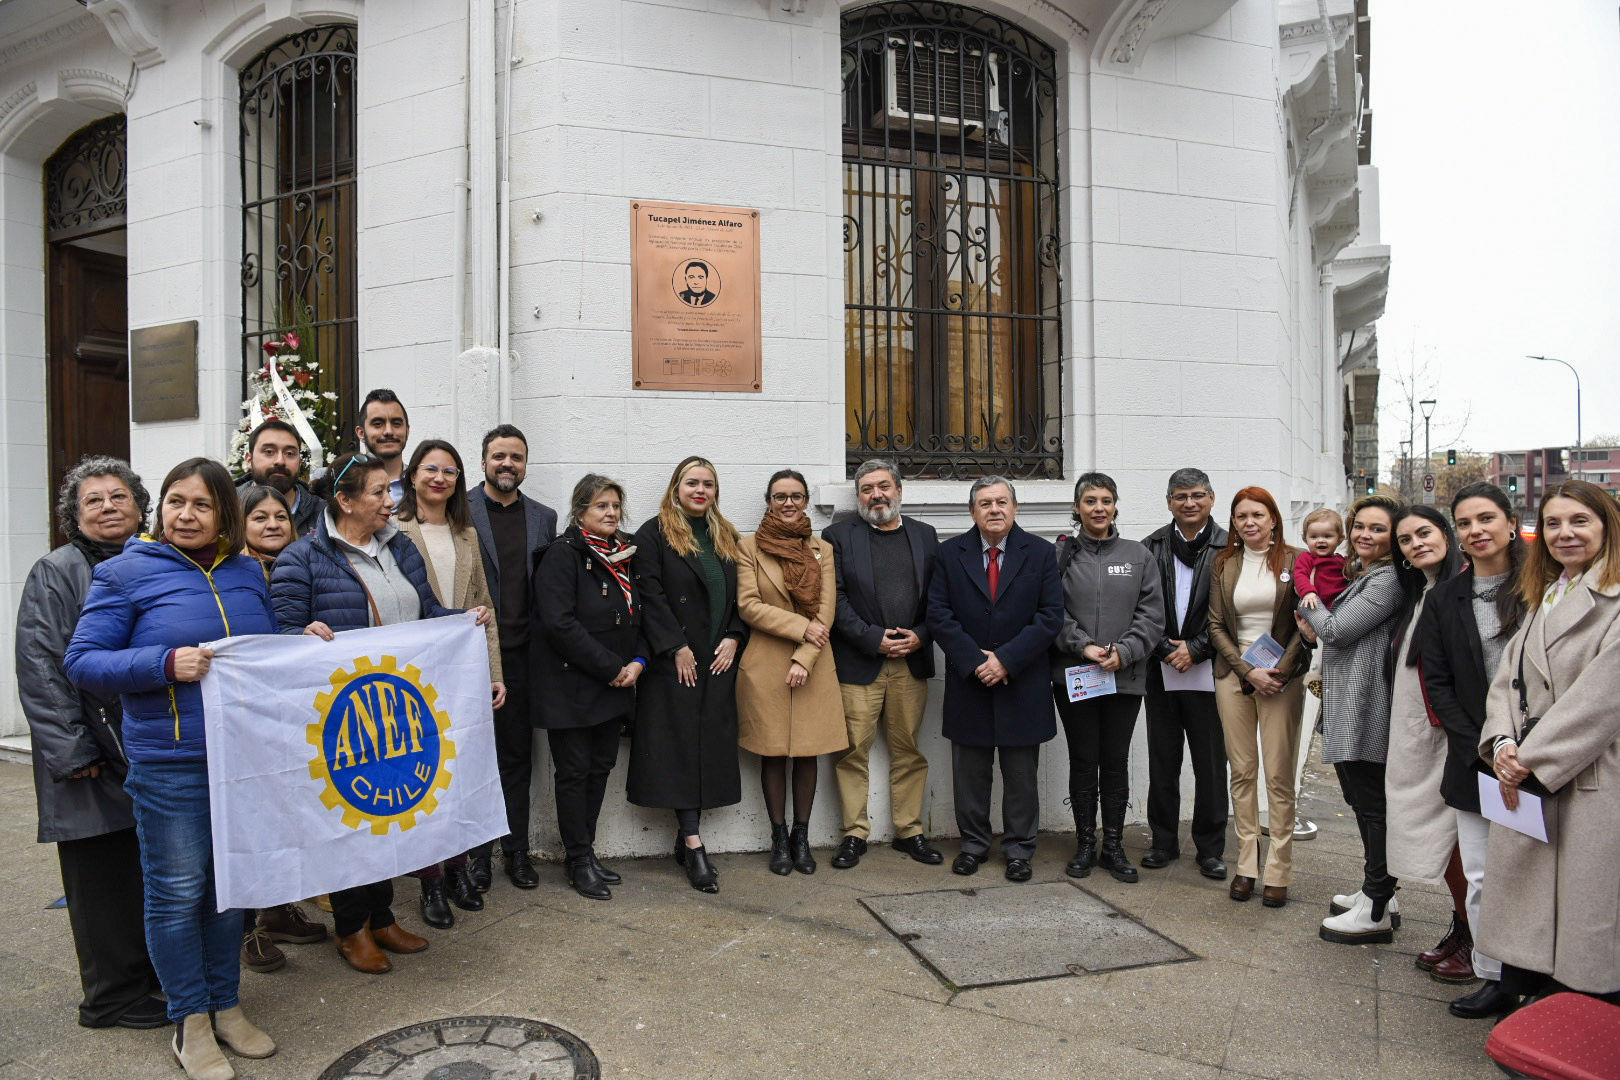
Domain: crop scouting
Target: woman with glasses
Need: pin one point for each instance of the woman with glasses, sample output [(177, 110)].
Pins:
[(683, 756), (789, 705), (357, 569), (433, 515)]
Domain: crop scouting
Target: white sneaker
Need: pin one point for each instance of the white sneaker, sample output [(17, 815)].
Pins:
[(1343, 902), (1304, 829), (1357, 926)]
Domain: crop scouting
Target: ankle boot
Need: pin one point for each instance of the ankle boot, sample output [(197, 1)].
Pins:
[(1085, 827), (197, 1052), (360, 951), (799, 848), (699, 871), (240, 1036), (1367, 922), (610, 876), (463, 892), (781, 861), (1112, 857), (1449, 944), (435, 908), (586, 881)]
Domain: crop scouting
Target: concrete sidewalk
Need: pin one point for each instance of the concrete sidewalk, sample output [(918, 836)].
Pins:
[(792, 977)]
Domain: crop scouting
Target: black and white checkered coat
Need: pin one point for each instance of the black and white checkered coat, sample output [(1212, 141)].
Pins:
[(1355, 638)]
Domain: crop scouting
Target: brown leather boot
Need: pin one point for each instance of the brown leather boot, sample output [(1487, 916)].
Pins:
[(360, 950), (395, 938), (1456, 968)]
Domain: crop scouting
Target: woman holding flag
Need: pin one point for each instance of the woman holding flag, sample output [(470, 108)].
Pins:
[(356, 570), (146, 615)]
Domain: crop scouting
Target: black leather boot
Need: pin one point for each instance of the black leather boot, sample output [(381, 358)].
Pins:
[(1112, 857), (1085, 827), (462, 890), (610, 876), (586, 881), (781, 861), (799, 848), (435, 908), (699, 871)]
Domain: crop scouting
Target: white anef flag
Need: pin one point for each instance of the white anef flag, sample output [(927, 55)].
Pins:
[(334, 764)]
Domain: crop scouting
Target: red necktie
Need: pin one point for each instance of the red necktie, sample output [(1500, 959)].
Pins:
[(994, 570)]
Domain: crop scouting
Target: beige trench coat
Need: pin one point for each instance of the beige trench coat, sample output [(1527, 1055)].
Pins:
[(1422, 828), (470, 589), (774, 720), (1555, 908)]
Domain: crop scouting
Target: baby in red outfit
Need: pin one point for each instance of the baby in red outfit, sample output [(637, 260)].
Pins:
[(1319, 570)]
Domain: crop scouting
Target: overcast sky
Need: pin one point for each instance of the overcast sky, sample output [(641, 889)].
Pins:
[(1497, 139)]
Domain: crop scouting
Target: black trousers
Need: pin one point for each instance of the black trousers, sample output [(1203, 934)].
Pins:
[(581, 760), (101, 876), (1177, 719), (354, 908), (1099, 732), (971, 779), (1363, 785), (514, 750)]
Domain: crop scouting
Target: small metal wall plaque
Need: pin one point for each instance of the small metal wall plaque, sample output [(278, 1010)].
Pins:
[(163, 372)]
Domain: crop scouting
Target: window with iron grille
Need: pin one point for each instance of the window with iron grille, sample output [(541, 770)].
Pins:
[(952, 326), (298, 209)]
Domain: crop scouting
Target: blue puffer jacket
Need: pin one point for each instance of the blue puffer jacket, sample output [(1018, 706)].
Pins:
[(313, 582), (143, 605)]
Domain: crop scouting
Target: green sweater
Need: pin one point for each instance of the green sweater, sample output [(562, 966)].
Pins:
[(714, 576)]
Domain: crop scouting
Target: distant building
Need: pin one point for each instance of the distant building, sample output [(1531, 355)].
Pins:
[(1526, 474)]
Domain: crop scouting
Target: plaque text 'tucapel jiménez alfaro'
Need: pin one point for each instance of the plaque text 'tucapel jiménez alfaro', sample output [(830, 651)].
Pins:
[(695, 322)]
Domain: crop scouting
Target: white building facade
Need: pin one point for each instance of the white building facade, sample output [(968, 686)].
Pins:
[(1034, 237)]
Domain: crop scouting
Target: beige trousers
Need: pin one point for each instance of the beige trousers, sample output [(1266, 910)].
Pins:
[(1267, 727), (895, 699)]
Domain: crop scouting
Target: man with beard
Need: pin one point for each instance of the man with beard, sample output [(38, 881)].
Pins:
[(384, 430), (884, 656), (512, 529), (275, 458)]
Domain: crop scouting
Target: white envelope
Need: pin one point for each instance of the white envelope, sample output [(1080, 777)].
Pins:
[(1534, 817)]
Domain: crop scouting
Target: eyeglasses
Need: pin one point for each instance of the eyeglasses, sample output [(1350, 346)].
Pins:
[(360, 458), (94, 503), (797, 498), (449, 472), (1190, 497)]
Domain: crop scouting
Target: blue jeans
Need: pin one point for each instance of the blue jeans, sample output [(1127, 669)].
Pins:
[(194, 948)]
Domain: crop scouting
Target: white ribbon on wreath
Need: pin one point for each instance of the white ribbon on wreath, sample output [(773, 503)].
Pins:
[(291, 413)]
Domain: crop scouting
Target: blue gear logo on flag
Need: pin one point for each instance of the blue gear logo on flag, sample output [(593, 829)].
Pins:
[(381, 745)]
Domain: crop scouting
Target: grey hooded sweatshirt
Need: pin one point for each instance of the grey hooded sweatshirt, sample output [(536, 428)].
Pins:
[(1112, 595)]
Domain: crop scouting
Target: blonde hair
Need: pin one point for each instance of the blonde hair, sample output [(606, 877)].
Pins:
[(1392, 509), (678, 531), (1541, 569), (1324, 514)]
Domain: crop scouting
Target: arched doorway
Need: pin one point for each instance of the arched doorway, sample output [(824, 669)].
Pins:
[(87, 310)]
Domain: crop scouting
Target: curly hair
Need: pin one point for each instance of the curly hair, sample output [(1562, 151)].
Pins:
[(88, 468)]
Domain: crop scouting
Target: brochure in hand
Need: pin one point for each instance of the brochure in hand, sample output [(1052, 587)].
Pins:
[(1265, 653), (1088, 681)]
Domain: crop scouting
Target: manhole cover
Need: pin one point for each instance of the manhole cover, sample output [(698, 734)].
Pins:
[(1015, 933), (470, 1048)]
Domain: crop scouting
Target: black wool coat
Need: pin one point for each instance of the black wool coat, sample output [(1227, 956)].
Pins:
[(857, 631), (587, 633), (684, 751), (1453, 663)]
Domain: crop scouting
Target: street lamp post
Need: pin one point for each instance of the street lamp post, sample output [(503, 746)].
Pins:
[(1406, 469), (1580, 458), (1427, 405)]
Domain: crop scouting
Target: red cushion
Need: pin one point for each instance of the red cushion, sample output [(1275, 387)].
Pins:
[(1562, 1037)]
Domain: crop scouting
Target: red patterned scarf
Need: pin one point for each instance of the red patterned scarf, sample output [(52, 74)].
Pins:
[(615, 555)]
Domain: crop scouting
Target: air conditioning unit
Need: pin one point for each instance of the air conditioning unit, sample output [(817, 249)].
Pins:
[(939, 89)]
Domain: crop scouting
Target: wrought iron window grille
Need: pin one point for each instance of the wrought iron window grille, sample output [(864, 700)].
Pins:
[(298, 271), (86, 181), (952, 233)]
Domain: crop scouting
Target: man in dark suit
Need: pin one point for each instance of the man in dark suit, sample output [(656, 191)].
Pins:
[(697, 292), (512, 529), (1181, 686), (994, 606), (885, 657)]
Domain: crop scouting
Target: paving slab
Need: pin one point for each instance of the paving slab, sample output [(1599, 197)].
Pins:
[(1013, 933)]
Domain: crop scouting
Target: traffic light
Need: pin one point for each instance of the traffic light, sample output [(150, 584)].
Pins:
[(1513, 483), (1451, 457), (1372, 485)]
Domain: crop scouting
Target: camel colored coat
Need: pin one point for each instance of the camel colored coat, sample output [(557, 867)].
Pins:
[(1555, 908), (774, 720), (471, 590)]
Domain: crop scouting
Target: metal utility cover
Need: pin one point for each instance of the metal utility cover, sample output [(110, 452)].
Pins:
[(470, 1048), (1016, 933)]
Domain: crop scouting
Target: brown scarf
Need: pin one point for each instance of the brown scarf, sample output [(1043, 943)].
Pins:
[(800, 567)]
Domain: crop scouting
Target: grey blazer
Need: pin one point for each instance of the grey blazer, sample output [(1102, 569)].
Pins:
[(1355, 637)]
